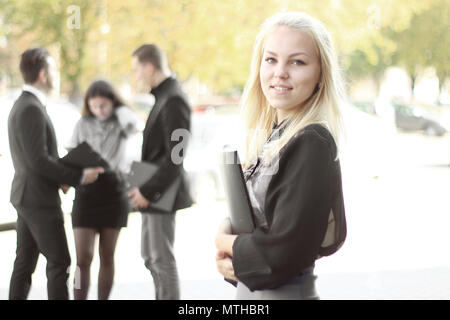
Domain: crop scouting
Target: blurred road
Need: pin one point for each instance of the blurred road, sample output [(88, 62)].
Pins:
[(396, 193)]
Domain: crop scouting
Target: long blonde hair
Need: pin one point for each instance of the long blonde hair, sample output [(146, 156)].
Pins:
[(323, 107)]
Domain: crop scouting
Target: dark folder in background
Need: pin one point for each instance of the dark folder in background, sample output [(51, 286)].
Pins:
[(83, 156), (241, 213), (141, 172)]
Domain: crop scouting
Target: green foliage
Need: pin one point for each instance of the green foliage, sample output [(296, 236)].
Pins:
[(47, 23), (213, 40), (425, 42)]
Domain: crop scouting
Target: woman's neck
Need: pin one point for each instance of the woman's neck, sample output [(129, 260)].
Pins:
[(282, 116)]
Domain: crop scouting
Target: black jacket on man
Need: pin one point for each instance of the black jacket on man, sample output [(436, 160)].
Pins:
[(34, 194), (32, 141), (170, 112)]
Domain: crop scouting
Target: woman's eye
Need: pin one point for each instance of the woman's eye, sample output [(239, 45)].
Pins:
[(298, 62), (270, 60)]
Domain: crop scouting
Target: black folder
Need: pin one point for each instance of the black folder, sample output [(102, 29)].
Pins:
[(241, 212), (141, 172), (83, 156)]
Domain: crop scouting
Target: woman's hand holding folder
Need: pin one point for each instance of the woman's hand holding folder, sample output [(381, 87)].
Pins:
[(224, 244), (225, 265)]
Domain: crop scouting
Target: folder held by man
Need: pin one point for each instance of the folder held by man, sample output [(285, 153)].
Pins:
[(83, 156), (141, 172)]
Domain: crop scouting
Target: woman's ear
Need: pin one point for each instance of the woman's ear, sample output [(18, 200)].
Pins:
[(318, 85)]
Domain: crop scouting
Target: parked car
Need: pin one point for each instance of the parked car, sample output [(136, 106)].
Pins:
[(365, 106), (410, 117)]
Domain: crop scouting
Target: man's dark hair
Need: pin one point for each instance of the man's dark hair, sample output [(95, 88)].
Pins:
[(32, 62), (151, 53)]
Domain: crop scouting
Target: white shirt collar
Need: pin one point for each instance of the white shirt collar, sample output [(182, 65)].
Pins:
[(38, 93)]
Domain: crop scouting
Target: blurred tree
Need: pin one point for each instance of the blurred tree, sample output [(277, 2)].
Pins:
[(425, 42), (212, 40), (434, 35), (205, 39), (360, 31), (64, 23)]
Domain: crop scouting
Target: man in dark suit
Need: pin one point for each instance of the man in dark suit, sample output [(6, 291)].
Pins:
[(165, 138), (38, 176)]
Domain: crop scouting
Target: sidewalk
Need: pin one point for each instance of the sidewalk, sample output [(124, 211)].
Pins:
[(428, 284), (194, 246)]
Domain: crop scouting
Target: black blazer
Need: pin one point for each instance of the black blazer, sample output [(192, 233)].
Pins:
[(34, 154), (304, 209), (170, 112)]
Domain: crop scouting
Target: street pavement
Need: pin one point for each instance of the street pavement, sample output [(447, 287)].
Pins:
[(200, 280)]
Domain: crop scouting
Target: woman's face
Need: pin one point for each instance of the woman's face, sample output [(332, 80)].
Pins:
[(290, 69), (101, 107)]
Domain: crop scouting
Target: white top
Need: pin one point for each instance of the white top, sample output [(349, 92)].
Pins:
[(107, 137)]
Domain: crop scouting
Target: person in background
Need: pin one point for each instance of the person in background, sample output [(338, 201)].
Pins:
[(102, 207), (292, 110), (37, 178), (168, 123)]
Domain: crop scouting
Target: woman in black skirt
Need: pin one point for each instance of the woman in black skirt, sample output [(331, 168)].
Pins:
[(102, 207)]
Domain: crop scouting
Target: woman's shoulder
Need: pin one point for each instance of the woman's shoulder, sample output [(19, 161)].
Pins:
[(84, 122), (311, 137), (86, 118), (123, 110), (125, 115)]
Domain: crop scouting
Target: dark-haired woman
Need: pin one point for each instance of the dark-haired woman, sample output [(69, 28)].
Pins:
[(101, 208)]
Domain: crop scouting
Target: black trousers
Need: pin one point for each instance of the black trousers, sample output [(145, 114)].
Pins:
[(40, 230)]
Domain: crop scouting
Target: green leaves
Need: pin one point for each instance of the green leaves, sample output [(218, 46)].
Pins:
[(212, 40)]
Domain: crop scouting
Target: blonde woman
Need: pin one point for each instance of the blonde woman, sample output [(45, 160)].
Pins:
[(292, 111)]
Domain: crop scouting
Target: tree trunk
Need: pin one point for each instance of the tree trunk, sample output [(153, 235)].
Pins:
[(413, 84), (441, 80), (75, 95)]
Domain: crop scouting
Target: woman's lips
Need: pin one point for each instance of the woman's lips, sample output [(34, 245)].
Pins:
[(280, 89)]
